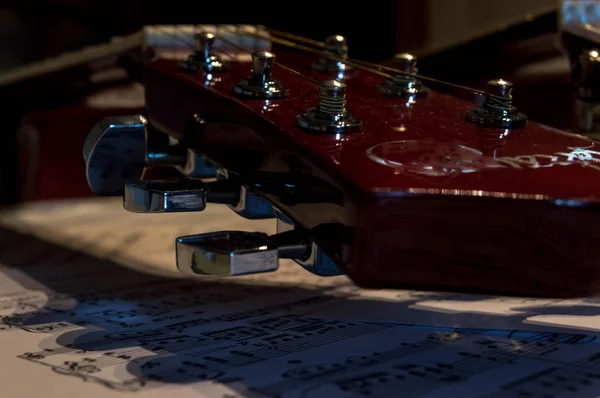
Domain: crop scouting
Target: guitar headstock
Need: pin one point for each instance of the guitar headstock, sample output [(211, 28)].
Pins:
[(369, 171)]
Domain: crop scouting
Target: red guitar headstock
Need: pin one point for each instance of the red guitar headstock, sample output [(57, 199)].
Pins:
[(371, 171)]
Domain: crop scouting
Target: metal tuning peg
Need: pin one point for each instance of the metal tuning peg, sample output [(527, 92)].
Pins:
[(203, 59), (230, 253), (404, 84), (316, 262), (260, 83), (114, 152), (249, 205), (586, 79), (336, 51), (331, 115), (178, 196), (496, 109), (120, 149)]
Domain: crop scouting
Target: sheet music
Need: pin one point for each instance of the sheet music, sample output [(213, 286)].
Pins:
[(90, 305)]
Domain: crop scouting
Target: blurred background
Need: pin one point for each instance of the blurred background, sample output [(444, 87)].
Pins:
[(462, 41)]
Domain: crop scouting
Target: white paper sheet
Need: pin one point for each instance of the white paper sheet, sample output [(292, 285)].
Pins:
[(89, 291)]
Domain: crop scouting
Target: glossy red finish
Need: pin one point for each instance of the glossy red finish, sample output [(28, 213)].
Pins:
[(432, 201)]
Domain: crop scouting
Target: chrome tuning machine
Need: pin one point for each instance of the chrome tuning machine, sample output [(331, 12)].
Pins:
[(404, 84), (332, 61), (118, 152), (330, 116), (120, 149), (125, 156), (204, 59), (496, 109), (260, 84), (178, 196), (230, 253)]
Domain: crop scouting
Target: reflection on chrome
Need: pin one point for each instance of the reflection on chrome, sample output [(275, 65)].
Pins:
[(211, 80), (268, 106)]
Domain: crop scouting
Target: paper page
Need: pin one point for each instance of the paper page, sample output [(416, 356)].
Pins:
[(91, 305)]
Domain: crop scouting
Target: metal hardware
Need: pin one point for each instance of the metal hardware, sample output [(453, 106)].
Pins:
[(337, 47), (496, 110), (197, 166), (587, 86), (260, 84), (250, 205), (403, 85), (226, 253), (162, 150), (115, 152), (316, 262), (177, 196), (331, 115), (230, 253), (118, 150), (203, 58)]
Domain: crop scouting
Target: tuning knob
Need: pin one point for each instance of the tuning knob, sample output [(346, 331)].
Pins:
[(114, 152), (119, 149), (230, 253), (178, 196)]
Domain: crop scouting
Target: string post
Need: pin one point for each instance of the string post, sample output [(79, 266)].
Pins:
[(332, 97), (262, 64), (260, 83), (333, 57), (204, 58), (405, 83), (586, 81), (330, 115), (337, 45), (497, 110)]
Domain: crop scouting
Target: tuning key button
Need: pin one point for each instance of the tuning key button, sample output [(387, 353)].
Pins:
[(114, 153), (164, 197), (177, 196), (227, 253), (496, 109), (260, 83), (404, 84), (331, 115)]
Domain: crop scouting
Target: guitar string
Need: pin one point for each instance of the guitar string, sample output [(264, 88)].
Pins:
[(187, 42), (245, 49), (297, 38), (369, 66), (292, 70), (319, 44), (493, 100)]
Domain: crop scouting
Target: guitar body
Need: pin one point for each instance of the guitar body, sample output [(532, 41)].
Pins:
[(418, 198)]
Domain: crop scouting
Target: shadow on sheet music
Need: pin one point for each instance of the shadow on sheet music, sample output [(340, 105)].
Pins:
[(131, 331)]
